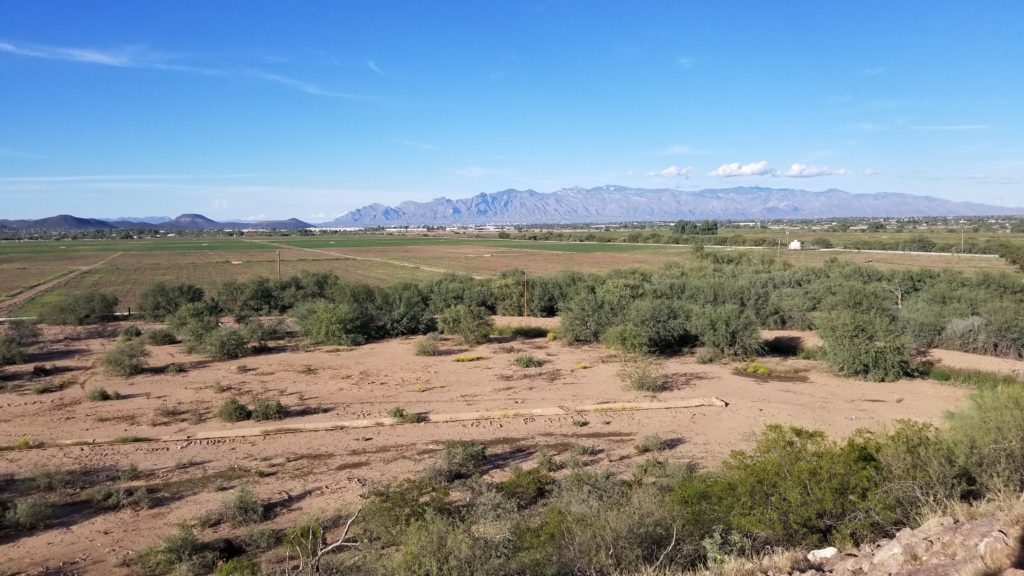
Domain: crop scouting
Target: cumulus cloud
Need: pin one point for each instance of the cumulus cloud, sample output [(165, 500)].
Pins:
[(807, 171), (672, 172), (736, 169)]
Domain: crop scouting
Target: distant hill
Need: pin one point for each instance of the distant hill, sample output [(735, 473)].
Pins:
[(62, 222), (621, 204), (66, 223)]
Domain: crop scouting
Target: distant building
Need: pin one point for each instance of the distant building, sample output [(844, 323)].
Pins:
[(796, 245)]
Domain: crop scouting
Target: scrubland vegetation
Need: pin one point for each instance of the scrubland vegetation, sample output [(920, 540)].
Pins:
[(795, 488), (871, 321)]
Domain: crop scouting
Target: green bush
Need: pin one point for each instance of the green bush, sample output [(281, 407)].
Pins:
[(988, 437), (652, 443), (344, 323), (160, 337), (405, 417), (429, 345), (113, 498), (527, 487), (30, 513), (181, 552), (644, 373), (162, 299), (224, 344), (239, 567), (472, 323), (79, 309), (10, 351), (130, 332), (193, 322), (728, 329), (233, 411), (462, 459), (264, 409), (100, 394), (126, 359), (242, 507), (865, 346), (22, 332), (527, 361)]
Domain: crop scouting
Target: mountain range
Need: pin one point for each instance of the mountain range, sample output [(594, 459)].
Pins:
[(621, 204), (68, 223), (602, 204)]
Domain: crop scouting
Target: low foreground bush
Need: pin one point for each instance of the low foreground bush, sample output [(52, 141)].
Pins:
[(234, 411), (429, 345), (644, 373), (126, 359), (472, 323), (80, 309), (264, 409)]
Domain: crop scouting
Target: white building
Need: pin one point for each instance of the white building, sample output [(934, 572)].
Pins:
[(796, 245)]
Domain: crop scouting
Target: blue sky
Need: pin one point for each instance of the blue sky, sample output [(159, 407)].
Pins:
[(306, 109)]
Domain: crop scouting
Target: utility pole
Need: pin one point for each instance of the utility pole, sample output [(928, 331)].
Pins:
[(278, 264), (962, 237)]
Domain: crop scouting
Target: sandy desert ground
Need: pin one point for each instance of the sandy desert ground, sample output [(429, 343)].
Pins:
[(192, 458)]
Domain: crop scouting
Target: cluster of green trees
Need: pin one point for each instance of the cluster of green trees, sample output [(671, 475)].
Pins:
[(871, 320), (692, 228)]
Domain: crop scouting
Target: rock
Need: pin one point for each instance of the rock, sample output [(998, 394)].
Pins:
[(819, 556), (935, 526), (888, 560), (1012, 572), (995, 549)]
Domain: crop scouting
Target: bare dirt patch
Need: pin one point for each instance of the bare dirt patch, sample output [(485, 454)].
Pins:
[(322, 470)]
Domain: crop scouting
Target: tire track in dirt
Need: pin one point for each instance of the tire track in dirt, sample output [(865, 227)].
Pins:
[(344, 256), (19, 299)]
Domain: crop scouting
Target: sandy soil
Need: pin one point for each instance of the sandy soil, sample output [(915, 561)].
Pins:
[(307, 472)]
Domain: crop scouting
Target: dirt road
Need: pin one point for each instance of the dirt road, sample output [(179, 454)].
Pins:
[(18, 300)]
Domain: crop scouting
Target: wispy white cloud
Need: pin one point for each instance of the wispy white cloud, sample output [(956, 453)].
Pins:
[(734, 169), (686, 62), (376, 69), (807, 171), (672, 172), (141, 57), (953, 127), (870, 172)]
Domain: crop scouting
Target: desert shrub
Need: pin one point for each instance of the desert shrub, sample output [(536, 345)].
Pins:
[(971, 335), (585, 318), (865, 346), (100, 394), (391, 508), (239, 567), (264, 409), (22, 332), (10, 351), (988, 437), (651, 443), (259, 333), (242, 507), (126, 359), (405, 417), (50, 479), (650, 325), (708, 356), (224, 344), (258, 538), (798, 488), (162, 299), (429, 345), (472, 323), (973, 378), (527, 487), (339, 323), (643, 373), (921, 468), (404, 310), (79, 309), (233, 411), (29, 513), (458, 290), (160, 337), (112, 498), (462, 459), (467, 358), (527, 361), (130, 332), (192, 323), (728, 329), (181, 552)]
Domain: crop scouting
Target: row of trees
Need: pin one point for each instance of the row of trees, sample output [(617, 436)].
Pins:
[(870, 319)]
